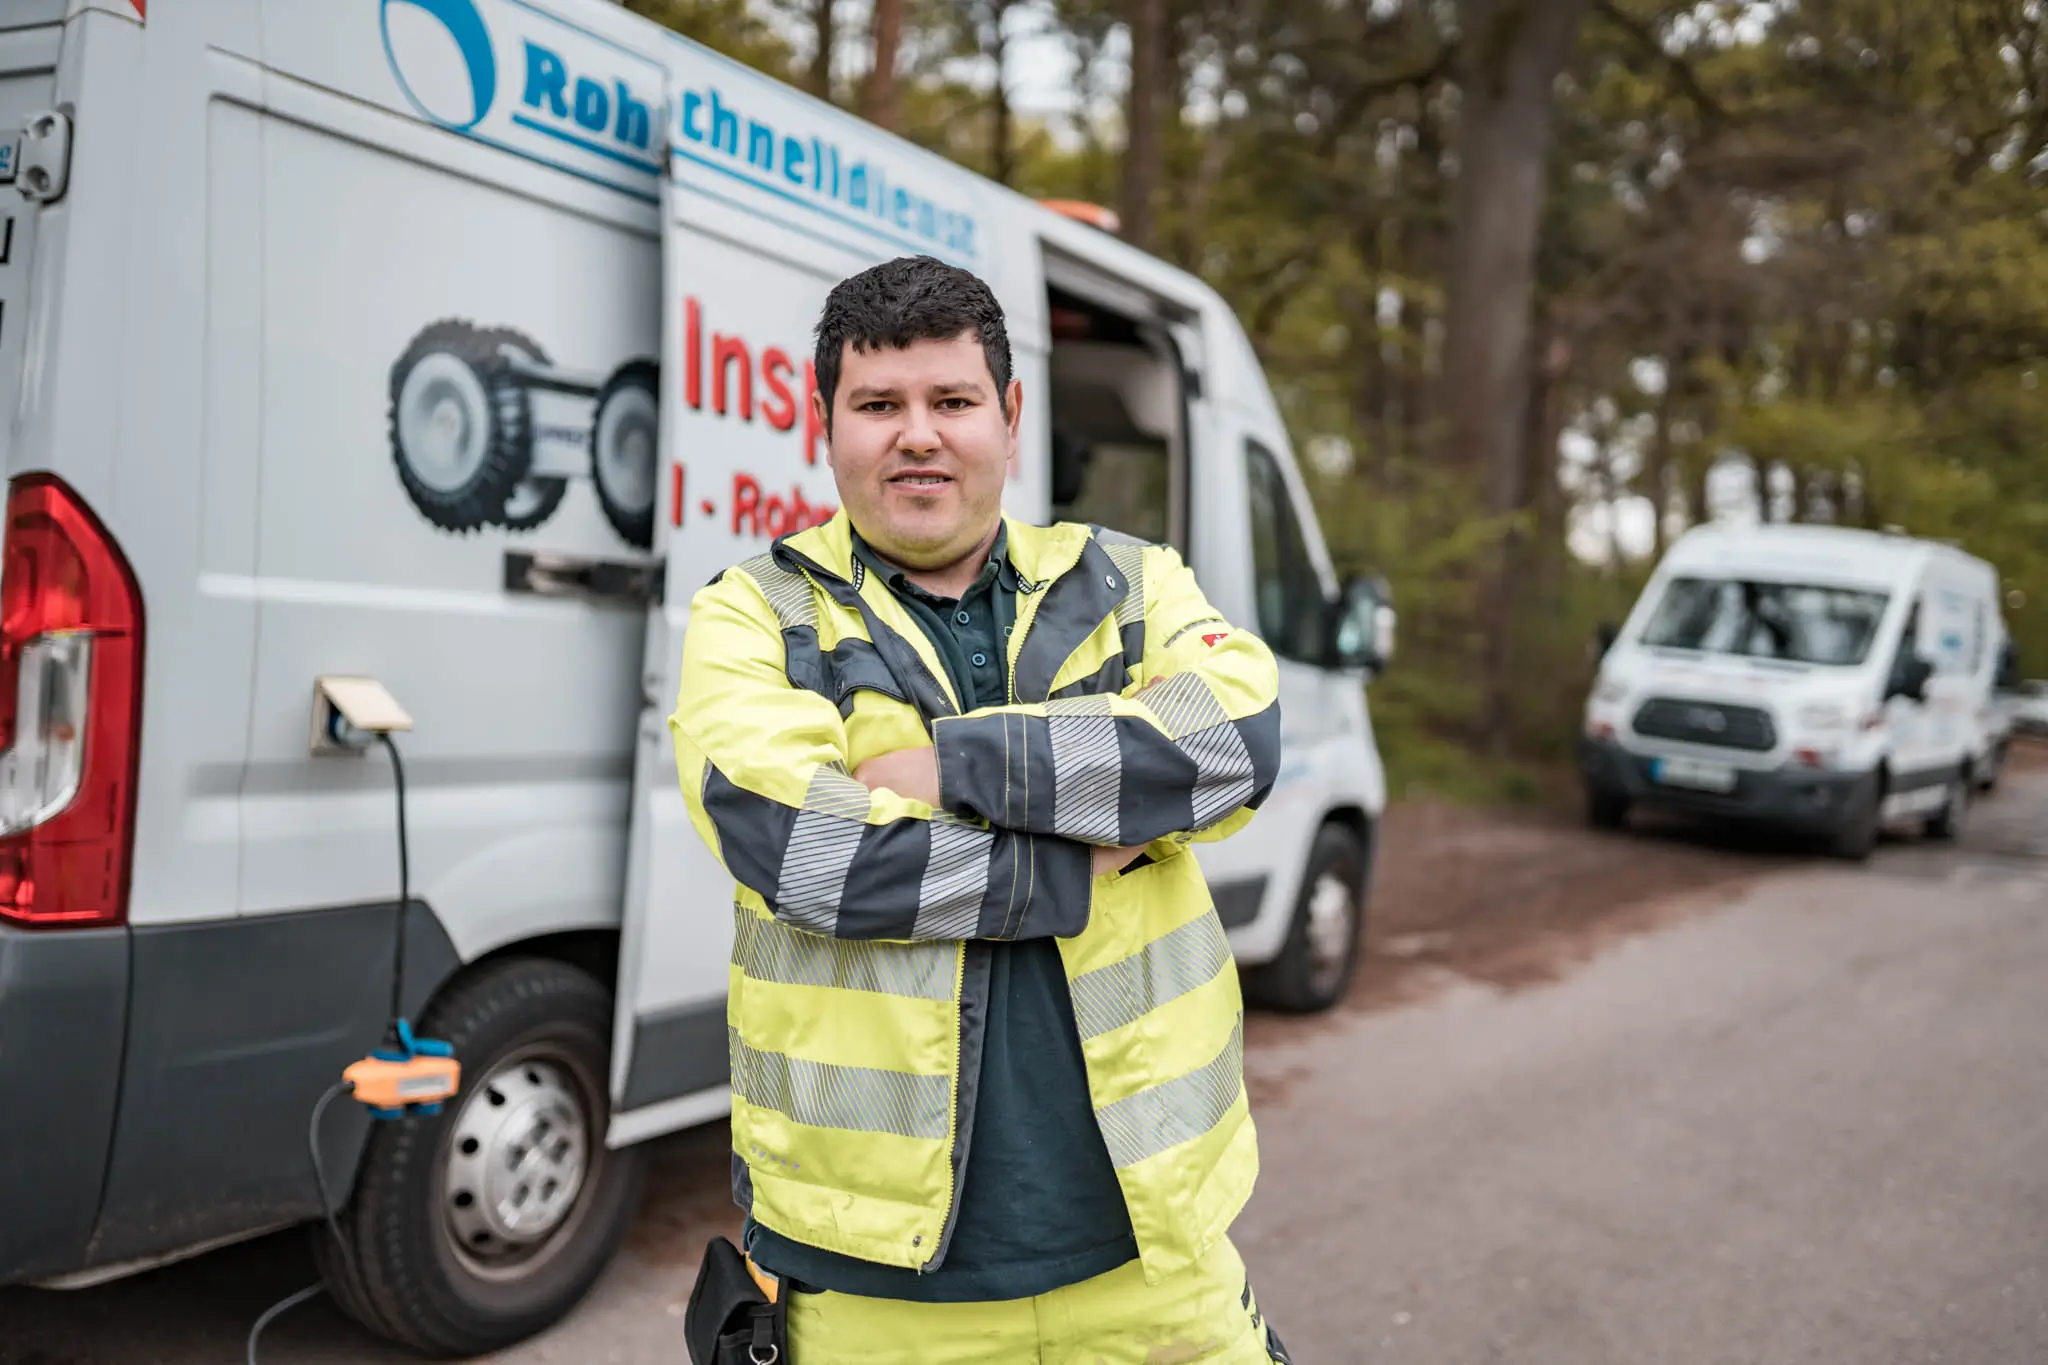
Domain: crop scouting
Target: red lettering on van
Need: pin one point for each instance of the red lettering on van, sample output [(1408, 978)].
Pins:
[(779, 407), (725, 350), (693, 353), (773, 514)]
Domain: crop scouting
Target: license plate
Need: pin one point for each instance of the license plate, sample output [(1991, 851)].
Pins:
[(1696, 773)]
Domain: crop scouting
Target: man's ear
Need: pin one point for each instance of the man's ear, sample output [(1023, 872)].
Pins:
[(823, 414), (1014, 400)]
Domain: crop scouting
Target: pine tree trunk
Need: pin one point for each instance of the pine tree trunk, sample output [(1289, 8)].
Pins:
[(1144, 147), (878, 93), (1513, 52), (823, 19), (1002, 154)]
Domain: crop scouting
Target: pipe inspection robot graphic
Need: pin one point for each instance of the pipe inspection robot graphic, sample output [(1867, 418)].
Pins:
[(487, 431)]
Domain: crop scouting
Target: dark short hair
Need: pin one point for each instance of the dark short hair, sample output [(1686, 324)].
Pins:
[(912, 298)]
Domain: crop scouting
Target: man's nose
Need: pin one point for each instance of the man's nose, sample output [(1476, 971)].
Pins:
[(920, 434)]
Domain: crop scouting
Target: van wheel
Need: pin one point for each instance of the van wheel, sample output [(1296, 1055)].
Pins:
[(624, 445), (1994, 768), (1856, 837), (1606, 809), (479, 1226), (1317, 961), (1946, 824), (461, 422)]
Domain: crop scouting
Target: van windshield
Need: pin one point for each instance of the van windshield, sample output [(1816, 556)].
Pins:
[(1796, 622)]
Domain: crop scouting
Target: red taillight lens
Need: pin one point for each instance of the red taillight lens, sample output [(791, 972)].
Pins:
[(70, 710)]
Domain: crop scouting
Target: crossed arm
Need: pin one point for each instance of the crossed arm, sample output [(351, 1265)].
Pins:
[(999, 826)]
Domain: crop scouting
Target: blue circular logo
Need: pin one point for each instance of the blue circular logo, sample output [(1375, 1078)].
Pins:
[(440, 52)]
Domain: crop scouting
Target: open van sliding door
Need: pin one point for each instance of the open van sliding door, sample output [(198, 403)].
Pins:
[(749, 253), (741, 464)]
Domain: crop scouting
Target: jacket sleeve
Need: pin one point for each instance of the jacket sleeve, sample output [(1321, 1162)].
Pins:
[(763, 766), (1189, 750)]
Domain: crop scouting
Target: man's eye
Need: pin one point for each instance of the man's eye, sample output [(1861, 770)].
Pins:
[(954, 404), (876, 405)]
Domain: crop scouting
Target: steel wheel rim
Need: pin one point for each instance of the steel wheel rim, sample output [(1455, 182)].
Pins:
[(519, 1160), (1332, 925), (626, 435), (443, 422)]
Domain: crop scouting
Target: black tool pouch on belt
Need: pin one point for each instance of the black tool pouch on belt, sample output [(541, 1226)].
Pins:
[(729, 1320)]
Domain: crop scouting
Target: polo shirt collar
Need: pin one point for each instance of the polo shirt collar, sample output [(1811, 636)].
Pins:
[(999, 569)]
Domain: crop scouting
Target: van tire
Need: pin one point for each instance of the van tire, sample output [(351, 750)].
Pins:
[(1946, 824), (632, 395), (1855, 839), (471, 369), (1993, 767), (1306, 977), (1606, 809), (397, 1269)]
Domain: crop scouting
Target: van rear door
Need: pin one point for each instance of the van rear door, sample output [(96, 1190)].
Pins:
[(28, 70)]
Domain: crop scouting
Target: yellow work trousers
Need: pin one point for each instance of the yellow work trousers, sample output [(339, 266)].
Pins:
[(1206, 1315)]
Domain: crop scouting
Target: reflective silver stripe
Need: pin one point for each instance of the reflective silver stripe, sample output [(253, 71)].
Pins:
[(768, 951), (1087, 768), (1197, 722), (1130, 562), (822, 843), (1184, 704), (862, 1099), (955, 879), (787, 591), (1168, 968), (1223, 772), (1191, 626), (1176, 1111)]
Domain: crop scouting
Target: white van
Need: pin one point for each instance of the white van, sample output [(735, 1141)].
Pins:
[(1828, 680), (453, 344)]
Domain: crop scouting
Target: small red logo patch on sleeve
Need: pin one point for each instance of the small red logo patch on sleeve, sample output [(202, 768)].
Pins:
[(1210, 640)]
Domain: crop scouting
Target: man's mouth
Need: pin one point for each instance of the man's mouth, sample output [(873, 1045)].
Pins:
[(921, 479)]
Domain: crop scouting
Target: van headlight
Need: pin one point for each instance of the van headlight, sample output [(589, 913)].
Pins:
[(1822, 715)]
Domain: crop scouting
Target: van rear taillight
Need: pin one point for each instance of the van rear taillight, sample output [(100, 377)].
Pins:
[(70, 710)]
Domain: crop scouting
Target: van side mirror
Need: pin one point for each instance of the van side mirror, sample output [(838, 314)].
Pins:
[(1604, 636), (1359, 629), (1910, 679)]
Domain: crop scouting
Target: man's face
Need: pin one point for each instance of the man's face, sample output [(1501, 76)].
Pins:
[(920, 447)]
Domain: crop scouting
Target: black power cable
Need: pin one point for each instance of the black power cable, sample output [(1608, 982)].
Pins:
[(404, 886), (286, 1304), (339, 1088)]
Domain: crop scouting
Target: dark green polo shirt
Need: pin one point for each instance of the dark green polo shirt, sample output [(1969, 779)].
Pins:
[(1039, 1205)]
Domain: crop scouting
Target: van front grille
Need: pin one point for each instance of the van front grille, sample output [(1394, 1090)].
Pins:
[(1707, 722)]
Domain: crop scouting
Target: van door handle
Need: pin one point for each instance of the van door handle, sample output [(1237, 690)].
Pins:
[(612, 581)]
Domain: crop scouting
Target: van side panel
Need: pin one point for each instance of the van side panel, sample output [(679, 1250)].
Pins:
[(467, 322), (63, 1003), (241, 1024)]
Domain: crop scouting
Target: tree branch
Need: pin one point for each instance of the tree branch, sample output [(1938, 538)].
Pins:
[(1360, 97), (1681, 70)]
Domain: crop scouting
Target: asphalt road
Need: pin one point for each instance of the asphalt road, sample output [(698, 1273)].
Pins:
[(1802, 1117)]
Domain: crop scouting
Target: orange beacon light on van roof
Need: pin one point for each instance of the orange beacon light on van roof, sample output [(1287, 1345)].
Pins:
[(1081, 211)]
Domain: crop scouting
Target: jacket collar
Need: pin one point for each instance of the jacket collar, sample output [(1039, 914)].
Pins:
[(1038, 554)]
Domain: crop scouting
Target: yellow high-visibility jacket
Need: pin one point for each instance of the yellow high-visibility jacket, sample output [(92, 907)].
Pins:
[(860, 961)]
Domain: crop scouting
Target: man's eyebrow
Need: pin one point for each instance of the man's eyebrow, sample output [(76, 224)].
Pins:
[(964, 386), (869, 392)]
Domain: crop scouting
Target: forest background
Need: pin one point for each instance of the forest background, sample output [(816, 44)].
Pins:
[(1540, 283)]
